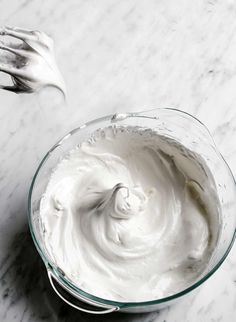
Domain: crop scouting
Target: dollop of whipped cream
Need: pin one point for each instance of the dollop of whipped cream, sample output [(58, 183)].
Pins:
[(31, 63), (130, 215)]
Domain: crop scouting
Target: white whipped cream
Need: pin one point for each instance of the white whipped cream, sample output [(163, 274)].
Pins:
[(31, 63), (130, 215)]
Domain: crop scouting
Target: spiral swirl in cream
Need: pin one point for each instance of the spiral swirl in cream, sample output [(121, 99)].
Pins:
[(130, 215)]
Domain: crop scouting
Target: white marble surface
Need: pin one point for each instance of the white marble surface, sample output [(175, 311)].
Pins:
[(116, 56)]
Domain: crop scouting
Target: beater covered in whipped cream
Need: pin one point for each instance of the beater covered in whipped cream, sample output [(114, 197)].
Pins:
[(130, 215), (30, 63)]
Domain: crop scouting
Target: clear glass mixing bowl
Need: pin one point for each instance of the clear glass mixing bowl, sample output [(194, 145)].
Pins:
[(168, 122)]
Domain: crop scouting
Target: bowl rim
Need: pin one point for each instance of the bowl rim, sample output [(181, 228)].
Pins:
[(49, 265)]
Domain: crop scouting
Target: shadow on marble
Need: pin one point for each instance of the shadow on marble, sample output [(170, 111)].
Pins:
[(26, 281)]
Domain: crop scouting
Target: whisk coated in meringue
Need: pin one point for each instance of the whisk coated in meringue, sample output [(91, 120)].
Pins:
[(31, 62)]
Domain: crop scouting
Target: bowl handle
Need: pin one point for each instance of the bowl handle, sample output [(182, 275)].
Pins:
[(78, 301)]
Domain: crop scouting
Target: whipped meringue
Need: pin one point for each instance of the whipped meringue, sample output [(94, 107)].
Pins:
[(130, 215), (31, 63)]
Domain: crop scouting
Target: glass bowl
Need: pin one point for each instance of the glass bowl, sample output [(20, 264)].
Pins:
[(171, 123)]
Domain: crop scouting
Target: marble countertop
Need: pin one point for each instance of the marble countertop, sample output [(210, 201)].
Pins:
[(125, 55)]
